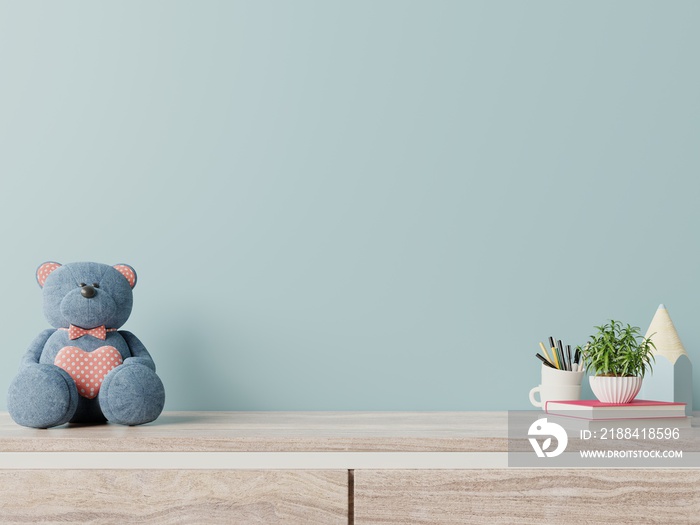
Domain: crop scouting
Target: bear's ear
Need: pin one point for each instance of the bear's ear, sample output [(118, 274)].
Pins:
[(128, 272), (44, 270)]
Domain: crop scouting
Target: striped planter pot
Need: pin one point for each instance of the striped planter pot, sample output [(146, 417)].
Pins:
[(615, 389)]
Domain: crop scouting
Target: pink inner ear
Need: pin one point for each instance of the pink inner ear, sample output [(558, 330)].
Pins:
[(44, 271), (127, 272)]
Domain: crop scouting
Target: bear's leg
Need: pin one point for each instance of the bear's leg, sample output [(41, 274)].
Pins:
[(42, 396), (132, 394)]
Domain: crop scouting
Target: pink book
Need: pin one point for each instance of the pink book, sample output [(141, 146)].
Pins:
[(594, 409)]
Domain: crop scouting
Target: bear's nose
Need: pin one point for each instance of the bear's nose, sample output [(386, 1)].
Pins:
[(87, 291)]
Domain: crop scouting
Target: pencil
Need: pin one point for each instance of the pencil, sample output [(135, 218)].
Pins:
[(544, 351), (562, 356), (538, 356), (554, 352), (556, 359)]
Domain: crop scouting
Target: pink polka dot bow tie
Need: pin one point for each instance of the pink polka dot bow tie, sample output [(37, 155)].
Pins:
[(74, 332)]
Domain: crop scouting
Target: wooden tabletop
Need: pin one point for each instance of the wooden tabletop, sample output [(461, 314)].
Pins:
[(272, 432)]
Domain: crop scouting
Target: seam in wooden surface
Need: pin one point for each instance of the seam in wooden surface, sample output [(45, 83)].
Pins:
[(351, 497)]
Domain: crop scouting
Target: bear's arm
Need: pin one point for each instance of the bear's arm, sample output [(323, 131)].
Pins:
[(138, 351), (33, 353)]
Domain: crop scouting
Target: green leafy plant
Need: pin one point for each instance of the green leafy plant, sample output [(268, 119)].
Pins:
[(618, 350)]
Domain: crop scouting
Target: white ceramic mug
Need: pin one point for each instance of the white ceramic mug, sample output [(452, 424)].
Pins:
[(554, 393), (552, 376), (557, 385)]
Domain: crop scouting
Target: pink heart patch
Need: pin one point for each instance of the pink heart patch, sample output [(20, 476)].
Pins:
[(88, 369)]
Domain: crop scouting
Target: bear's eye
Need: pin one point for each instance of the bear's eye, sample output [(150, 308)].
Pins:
[(82, 284), (95, 285)]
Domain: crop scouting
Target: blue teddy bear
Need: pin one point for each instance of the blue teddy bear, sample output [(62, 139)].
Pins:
[(85, 370)]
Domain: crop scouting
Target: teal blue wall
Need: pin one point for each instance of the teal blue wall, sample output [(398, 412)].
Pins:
[(374, 205)]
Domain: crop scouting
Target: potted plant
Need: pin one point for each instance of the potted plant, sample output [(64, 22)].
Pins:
[(619, 356)]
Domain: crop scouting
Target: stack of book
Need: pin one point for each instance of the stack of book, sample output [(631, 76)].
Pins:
[(594, 415)]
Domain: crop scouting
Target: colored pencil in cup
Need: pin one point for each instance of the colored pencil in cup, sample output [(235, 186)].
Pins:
[(546, 354), (562, 356), (538, 356), (556, 358)]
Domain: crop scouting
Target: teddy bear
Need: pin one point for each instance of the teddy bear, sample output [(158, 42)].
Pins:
[(84, 369)]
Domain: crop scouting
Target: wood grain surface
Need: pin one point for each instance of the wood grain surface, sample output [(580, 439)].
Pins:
[(526, 497), (174, 497), (272, 432), (508, 496)]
